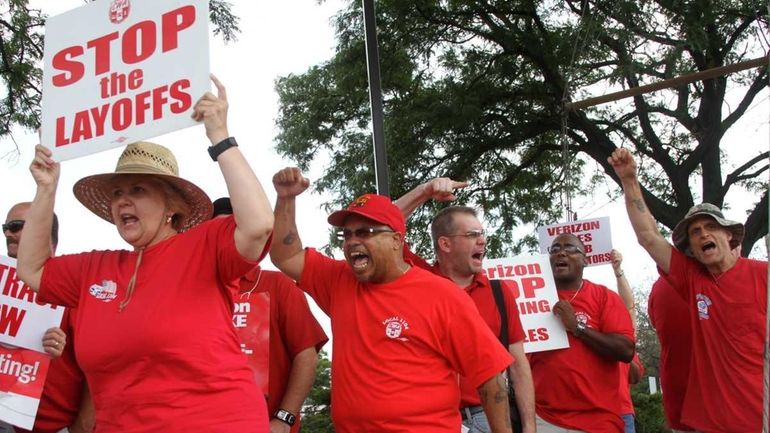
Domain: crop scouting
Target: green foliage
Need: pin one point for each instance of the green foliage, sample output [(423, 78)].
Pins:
[(649, 412), (476, 91), (21, 51), (316, 413)]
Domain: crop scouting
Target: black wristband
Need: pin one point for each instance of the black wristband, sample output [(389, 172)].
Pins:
[(217, 149)]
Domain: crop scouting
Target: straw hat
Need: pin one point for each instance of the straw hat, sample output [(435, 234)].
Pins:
[(681, 239), (149, 159)]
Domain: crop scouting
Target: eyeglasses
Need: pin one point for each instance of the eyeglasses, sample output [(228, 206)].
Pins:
[(13, 226), (473, 234), (567, 248), (362, 233)]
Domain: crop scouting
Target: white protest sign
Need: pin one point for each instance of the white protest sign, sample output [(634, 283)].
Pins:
[(22, 376), (120, 71), (594, 233), (531, 279), (22, 320)]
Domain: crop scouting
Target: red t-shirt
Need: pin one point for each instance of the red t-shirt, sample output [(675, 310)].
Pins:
[(481, 293), (576, 388), (727, 318), (398, 348), (626, 404), (63, 389), (670, 317), (293, 328), (170, 361)]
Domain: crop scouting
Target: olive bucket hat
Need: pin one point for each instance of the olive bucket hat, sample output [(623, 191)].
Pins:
[(681, 240)]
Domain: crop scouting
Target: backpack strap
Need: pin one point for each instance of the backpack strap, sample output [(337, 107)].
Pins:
[(497, 290)]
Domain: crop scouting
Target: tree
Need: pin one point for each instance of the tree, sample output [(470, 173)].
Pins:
[(475, 91), (21, 50), (316, 413)]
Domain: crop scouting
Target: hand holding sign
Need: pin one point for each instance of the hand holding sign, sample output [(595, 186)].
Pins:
[(54, 341), (212, 110), (44, 169), (563, 309)]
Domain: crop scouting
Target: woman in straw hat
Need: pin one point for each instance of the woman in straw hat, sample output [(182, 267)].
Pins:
[(154, 331)]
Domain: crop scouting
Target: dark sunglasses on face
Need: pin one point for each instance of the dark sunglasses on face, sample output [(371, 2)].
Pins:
[(362, 233), (13, 226), (567, 248)]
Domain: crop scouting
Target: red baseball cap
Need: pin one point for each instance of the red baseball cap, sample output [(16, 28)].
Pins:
[(374, 207)]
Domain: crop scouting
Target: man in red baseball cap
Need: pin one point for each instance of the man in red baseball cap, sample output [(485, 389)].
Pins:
[(400, 332)]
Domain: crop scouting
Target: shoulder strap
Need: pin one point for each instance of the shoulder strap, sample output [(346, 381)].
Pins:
[(497, 290)]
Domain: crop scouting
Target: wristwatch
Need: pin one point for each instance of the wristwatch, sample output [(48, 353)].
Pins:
[(217, 149), (285, 416), (580, 328)]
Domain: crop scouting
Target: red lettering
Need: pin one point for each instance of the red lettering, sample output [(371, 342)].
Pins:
[(134, 52), (135, 79), (174, 22), (74, 70), (101, 48), (183, 99), (82, 128), (99, 115), (61, 140), (10, 319), (539, 334), (142, 105), (121, 114), (158, 101), (589, 248), (530, 284)]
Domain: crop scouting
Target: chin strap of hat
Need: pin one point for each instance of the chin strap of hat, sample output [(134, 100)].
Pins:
[(131, 282)]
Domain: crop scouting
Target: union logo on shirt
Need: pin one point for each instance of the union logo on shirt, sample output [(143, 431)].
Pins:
[(702, 302), (583, 317), (394, 327), (106, 291)]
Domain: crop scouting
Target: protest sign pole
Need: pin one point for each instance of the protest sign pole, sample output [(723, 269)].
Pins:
[(375, 99)]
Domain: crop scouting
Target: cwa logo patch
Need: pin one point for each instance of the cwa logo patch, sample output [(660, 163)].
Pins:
[(394, 327), (703, 303), (104, 292), (119, 10)]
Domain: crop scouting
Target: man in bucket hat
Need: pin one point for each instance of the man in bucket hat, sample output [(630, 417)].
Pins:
[(727, 307), (400, 333)]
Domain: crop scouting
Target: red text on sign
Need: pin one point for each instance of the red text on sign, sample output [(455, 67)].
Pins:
[(138, 43)]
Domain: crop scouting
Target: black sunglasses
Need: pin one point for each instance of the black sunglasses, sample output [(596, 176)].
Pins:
[(13, 226), (362, 233)]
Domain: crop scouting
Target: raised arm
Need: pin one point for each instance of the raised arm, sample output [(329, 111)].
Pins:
[(624, 288), (251, 208), (647, 233), (35, 245), (440, 188), (286, 252)]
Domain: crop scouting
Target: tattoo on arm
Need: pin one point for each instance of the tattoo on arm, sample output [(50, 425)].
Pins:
[(639, 203), (290, 238)]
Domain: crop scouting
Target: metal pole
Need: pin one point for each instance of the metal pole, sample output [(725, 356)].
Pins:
[(375, 99)]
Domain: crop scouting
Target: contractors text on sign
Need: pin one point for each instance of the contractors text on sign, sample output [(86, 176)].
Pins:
[(132, 73), (595, 235)]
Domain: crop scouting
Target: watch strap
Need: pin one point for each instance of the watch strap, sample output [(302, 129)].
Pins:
[(217, 149), (285, 416)]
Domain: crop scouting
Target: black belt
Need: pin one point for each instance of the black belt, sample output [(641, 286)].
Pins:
[(472, 409)]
